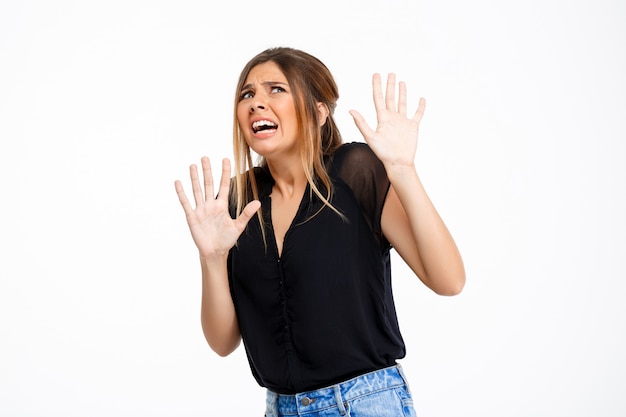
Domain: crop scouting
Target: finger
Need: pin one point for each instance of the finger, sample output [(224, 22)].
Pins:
[(402, 98), (421, 108), (195, 185), (361, 124), (377, 93), (248, 211), (208, 178), (390, 92), (225, 180), (182, 197)]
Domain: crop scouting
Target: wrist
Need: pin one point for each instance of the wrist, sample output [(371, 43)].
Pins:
[(400, 171), (213, 258)]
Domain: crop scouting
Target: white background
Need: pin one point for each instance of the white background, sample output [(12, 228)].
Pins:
[(104, 104)]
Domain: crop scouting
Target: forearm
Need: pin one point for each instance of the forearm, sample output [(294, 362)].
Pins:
[(219, 321), (440, 262)]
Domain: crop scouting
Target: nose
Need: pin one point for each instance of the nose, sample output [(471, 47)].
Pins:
[(258, 102), (256, 106)]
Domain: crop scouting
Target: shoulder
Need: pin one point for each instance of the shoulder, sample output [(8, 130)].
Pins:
[(354, 153), (356, 165), (262, 176), (356, 161), (256, 181)]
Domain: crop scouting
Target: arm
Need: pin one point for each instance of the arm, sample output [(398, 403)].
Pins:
[(420, 237), (409, 220), (215, 233), (217, 313)]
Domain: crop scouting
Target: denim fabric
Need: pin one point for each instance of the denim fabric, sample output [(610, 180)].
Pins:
[(383, 393)]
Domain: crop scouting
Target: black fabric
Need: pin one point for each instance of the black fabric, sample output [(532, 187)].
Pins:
[(323, 311)]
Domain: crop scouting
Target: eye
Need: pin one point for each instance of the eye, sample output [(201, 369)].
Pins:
[(277, 89), (246, 94)]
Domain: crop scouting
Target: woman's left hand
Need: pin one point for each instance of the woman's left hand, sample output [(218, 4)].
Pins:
[(395, 139)]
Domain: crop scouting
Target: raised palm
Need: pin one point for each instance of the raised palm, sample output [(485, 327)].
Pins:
[(395, 139), (213, 230)]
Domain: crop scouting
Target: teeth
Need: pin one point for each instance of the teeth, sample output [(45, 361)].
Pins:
[(260, 123)]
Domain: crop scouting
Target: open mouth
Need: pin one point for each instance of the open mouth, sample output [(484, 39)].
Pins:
[(262, 125)]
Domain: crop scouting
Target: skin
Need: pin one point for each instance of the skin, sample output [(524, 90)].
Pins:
[(267, 96), (409, 220)]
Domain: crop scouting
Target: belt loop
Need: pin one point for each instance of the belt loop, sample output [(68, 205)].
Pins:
[(406, 382), (340, 405), (271, 404)]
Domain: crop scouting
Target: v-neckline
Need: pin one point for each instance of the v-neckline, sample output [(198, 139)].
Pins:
[(292, 224)]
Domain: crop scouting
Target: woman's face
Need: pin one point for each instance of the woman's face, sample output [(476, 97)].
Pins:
[(266, 112)]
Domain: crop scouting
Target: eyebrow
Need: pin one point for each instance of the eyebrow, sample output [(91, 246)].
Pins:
[(264, 83)]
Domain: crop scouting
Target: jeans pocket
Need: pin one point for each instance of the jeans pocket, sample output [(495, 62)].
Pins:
[(406, 400)]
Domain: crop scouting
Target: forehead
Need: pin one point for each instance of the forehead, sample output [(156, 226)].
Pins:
[(267, 71)]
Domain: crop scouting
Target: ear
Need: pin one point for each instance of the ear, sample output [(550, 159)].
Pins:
[(322, 113)]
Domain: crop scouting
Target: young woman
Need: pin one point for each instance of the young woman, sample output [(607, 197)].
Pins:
[(295, 251)]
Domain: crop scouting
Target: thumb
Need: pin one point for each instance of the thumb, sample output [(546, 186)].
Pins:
[(361, 124), (249, 210)]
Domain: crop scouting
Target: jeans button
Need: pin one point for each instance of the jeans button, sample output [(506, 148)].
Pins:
[(307, 401)]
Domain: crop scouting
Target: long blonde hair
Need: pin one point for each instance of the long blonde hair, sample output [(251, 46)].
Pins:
[(311, 83)]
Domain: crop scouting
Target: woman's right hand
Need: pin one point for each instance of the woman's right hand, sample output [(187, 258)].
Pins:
[(213, 230)]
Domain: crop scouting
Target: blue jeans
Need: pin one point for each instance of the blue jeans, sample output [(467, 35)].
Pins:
[(383, 393)]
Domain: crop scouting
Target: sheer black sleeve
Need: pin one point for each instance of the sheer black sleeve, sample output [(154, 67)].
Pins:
[(356, 165)]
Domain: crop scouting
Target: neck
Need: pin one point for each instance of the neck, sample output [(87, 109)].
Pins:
[(289, 177)]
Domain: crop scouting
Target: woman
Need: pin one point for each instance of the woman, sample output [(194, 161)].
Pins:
[(296, 263)]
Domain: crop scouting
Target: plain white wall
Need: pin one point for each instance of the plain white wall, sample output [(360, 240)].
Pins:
[(104, 104)]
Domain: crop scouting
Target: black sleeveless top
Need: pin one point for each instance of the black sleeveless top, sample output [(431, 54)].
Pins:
[(323, 311)]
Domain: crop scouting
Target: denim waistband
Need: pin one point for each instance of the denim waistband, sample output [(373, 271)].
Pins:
[(336, 395)]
